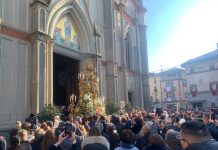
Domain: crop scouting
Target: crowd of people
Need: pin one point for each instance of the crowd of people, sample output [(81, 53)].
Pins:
[(136, 130)]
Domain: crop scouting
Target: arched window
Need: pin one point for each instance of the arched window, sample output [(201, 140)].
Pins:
[(128, 52)]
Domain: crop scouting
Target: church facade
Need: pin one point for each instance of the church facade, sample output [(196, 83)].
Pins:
[(44, 44)]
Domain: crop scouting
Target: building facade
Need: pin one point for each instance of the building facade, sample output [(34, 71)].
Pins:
[(173, 88), (155, 89), (44, 44), (202, 80)]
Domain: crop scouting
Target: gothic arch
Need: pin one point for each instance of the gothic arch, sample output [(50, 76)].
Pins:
[(132, 31), (128, 45), (128, 31), (83, 26)]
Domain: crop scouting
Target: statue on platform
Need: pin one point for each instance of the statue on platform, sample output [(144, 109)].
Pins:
[(88, 101)]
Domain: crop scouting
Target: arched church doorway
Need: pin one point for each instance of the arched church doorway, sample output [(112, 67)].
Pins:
[(73, 44), (65, 67), (65, 75)]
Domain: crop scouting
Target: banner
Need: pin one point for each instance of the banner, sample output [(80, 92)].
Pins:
[(213, 88)]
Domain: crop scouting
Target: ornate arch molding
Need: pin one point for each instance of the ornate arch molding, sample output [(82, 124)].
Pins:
[(128, 30), (63, 7)]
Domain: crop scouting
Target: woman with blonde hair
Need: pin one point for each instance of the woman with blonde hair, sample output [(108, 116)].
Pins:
[(48, 139), (23, 140)]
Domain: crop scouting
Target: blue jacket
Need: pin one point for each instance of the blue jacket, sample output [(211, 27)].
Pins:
[(207, 145), (126, 147)]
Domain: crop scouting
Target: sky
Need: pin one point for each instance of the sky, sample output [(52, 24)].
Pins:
[(179, 30)]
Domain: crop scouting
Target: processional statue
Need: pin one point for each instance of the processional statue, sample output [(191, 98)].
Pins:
[(88, 100)]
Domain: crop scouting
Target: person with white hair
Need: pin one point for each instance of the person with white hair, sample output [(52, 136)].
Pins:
[(181, 121), (142, 139), (172, 140)]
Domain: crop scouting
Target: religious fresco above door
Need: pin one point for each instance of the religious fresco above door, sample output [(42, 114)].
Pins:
[(65, 34)]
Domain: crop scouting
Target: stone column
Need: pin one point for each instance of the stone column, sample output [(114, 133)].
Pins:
[(42, 59), (97, 37), (143, 55), (111, 65), (38, 41), (124, 67), (49, 71), (144, 58), (138, 49)]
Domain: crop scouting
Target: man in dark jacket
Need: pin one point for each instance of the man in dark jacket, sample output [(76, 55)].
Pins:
[(112, 136), (142, 139), (194, 135), (32, 119), (214, 133), (210, 125)]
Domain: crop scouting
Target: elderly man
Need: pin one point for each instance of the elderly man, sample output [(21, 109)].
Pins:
[(194, 135), (142, 139), (172, 140)]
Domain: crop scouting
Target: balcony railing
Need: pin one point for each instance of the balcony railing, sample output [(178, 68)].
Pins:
[(169, 89)]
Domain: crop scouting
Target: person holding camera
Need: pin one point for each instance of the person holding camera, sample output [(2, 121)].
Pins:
[(66, 138)]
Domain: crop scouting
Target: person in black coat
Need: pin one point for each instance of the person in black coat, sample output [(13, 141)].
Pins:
[(156, 142), (112, 136), (214, 133), (137, 126), (142, 138), (36, 143), (116, 121), (194, 135), (32, 119), (210, 125)]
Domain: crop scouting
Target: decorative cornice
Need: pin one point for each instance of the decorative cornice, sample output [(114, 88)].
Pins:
[(141, 10), (203, 71), (50, 40), (121, 68), (127, 17), (43, 2), (39, 36), (14, 33)]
